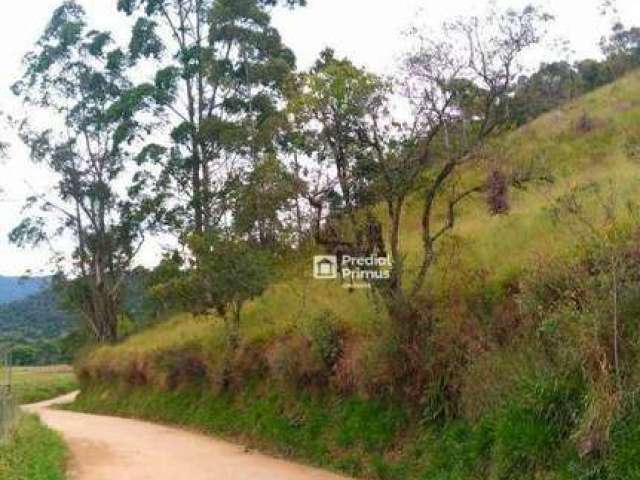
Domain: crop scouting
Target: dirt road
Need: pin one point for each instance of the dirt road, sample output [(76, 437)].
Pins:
[(108, 448)]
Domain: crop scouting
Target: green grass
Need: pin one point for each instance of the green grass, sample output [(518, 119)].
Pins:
[(35, 384), (33, 453)]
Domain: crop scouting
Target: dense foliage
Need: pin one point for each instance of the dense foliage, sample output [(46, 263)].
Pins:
[(36, 328)]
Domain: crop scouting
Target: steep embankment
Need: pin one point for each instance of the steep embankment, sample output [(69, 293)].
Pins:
[(515, 377)]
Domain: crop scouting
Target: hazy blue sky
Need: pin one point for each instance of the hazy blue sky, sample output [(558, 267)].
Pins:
[(368, 31)]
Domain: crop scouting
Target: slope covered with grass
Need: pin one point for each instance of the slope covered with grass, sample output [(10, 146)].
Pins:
[(509, 384), (497, 248)]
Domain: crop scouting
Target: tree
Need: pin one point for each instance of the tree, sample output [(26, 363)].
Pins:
[(594, 74), (230, 272), (24, 355), (219, 68), (622, 49), (233, 272), (332, 102), (458, 91), (260, 200), (78, 76)]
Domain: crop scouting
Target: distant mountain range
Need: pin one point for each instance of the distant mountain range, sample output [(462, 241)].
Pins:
[(38, 329), (37, 317), (32, 322), (18, 288)]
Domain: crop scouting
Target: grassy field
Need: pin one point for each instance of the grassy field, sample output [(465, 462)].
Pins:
[(33, 453), (35, 384)]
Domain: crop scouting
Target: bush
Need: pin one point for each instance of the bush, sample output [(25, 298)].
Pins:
[(293, 362), (325, 334)]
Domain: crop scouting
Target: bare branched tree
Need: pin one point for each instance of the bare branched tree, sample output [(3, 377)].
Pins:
[(458, 89)]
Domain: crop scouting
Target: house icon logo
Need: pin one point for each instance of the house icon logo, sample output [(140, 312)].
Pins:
[(325, 267)]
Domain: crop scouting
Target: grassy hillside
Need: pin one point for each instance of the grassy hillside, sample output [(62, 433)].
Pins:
[(496, 248), (510, 385)]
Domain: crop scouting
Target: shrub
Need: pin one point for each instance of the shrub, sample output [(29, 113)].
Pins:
[(325, 334), (292, 361), (183, 367), (585, 123)]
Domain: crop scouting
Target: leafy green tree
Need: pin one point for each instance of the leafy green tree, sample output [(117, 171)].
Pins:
[(622, 49), (77, 76), (24, 355), (261, 199), (594, 74), (230, 272), (220, 66), (332, 102)]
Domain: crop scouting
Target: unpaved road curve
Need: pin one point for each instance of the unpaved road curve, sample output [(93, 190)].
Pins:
[(109, 448)]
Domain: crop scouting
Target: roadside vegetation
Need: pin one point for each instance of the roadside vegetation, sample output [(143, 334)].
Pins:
[(30, 450), (33, 453)]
